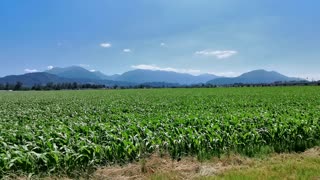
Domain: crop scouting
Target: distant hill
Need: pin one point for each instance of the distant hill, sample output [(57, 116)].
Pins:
[(254, 77), (43, 78), (146, 76), (203, 78), (106, 77), (31, 79), (76, 72), (114, 77)]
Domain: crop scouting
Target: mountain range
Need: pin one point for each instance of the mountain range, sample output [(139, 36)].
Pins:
[(142, 76), (139, 76)]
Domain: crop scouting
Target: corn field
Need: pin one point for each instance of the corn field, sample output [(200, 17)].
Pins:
[(67, 131)]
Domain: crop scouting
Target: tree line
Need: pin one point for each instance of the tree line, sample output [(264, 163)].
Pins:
[(18, 86), (50, 86)]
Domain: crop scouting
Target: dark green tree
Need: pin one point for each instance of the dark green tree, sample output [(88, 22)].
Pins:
[(18, 86)]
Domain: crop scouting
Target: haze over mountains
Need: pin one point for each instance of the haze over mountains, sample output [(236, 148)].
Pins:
[(139, 76)]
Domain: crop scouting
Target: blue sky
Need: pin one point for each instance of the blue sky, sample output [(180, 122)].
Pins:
[(224, 37)]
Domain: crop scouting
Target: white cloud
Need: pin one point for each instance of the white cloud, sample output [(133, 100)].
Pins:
[(30, 70), (50, 67), (308, 76), (225, 74), (218, 54), (84, 65), (157, 68), (127, 50), (105, 45)]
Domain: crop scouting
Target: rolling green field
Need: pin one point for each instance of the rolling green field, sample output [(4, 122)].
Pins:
[(68, 131)]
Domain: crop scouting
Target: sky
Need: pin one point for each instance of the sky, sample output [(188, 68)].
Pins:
[(222, 37)]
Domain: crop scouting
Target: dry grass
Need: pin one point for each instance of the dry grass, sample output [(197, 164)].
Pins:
[(157, 167), (277, 166), (149, 167)]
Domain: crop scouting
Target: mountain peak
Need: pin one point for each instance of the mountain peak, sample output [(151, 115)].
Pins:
[(254, 77), (74, 72)]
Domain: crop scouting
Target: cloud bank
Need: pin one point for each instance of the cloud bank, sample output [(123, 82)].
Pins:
[(218, 54), (84, 65), (225, 74), (157, 68), (30, 70)]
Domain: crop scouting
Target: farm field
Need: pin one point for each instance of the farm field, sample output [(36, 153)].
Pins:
[(66, 132)]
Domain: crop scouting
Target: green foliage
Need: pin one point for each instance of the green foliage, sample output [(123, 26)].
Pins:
[(68, 131)]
